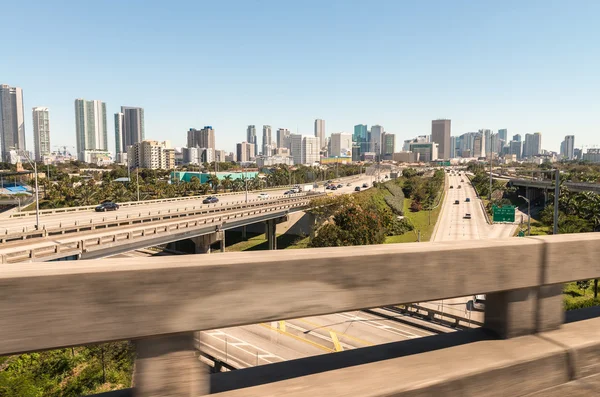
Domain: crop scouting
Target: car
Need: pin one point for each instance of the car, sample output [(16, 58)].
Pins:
[(365, 185), (329, 181), (456, 202), (462, 180), (467, 216), (340, 186), (289, 192), (107, 206), (451, 186), (263, 196), (479, 302), (357, 189), (458, 187), (333, 188), (210, 200), (348, 184), (327, 187), (467, 200)]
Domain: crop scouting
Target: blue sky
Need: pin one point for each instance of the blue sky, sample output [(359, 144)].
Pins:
[(523, 65)]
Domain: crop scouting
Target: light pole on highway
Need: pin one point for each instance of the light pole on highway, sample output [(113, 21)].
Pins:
[(528, 214), (37, 192)]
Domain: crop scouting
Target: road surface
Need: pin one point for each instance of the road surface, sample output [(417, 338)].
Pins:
[(453, 226)]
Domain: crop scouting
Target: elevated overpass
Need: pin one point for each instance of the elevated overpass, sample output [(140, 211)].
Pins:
[(525, 348)]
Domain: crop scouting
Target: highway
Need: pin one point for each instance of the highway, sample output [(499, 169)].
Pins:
[(452, 226), (17, 224)]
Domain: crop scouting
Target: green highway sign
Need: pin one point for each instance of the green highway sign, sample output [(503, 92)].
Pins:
[(506, 213)]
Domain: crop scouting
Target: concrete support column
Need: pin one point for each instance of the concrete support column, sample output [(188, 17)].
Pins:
[(523, 312), (167, 366), (223, 241), (270, 231), (244, 232), (202, 243)]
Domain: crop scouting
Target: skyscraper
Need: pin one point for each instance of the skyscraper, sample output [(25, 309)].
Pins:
[(283, 138), (266, 140), (251, 138), (503, 135), (132, 130), (311, 149), (41, 132), (296, 148), (440, 134), (567, 147), (532, 145), (517, 138), (388, 145), (320, 130), (361, 138), (245, 151), (204, 138), (376, 141), (119, 148), (12, 121), (90, 126)]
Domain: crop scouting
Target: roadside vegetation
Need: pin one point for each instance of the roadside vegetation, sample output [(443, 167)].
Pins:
[(67, 372)]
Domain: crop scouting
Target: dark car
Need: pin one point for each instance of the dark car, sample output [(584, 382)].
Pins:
[(340, 186), (107, 206), (468, 200), (333, 188), (467, 216), (357, 189), (451, 187), (365, 185), (210, 200), (456, 202)]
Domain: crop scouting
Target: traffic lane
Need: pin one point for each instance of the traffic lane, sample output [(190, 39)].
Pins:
[(55, 220), (89, 217)]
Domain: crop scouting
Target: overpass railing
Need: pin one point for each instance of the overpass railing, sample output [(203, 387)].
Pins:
[(177, 228), (159, 303), (118, 220)]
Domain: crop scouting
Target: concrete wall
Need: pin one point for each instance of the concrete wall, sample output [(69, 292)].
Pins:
[(299, 223)]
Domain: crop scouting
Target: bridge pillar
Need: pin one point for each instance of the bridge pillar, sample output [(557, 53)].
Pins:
[(526, 311), (167, 366), (202, 243), (271, 232), (244, 232)]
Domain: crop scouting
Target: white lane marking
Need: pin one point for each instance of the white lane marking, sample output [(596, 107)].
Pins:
[(240, 343), (375, 324)]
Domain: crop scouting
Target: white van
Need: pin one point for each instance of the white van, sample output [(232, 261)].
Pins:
[(479, 302)]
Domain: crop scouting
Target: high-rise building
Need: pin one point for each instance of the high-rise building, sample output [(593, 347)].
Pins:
[(131, 126), (361, 138), (12, 121), (341, 144), (567, 147), (119, 147), (320, 130), (283, 138), (311, 149), (151, 154), (266, 141), (245, 152), (41, 132), (296, 148), (388, 145), (90, 126), (503, 135), (427, 151), (376, 139), (479, 146), (440, 134), (204, 138), (517, 138), (251, 138), (533, 145), (516, 148)]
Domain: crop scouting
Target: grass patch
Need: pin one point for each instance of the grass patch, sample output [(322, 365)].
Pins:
[(577, 298)]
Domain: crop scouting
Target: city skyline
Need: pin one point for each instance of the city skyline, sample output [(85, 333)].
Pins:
[(279, 79)]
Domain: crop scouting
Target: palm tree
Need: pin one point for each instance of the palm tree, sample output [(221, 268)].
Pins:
[(204, 188), (227, 182), (213, 180)]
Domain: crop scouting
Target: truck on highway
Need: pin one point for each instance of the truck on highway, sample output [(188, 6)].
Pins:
[(307, 188)]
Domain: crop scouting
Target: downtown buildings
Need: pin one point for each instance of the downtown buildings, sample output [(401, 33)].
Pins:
[(320, 130), (41, 132), (567, 148), (90, 127), (151, 154), (440, 134), (12, 123)]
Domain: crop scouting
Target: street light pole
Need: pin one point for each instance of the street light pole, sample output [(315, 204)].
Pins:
[(37, 192), (528, 214), (556, 194)]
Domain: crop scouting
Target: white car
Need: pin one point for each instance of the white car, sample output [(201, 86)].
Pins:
[(263, 196), (479, 302)]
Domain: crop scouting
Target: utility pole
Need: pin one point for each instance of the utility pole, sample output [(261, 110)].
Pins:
[(137, 177), (491, 157)]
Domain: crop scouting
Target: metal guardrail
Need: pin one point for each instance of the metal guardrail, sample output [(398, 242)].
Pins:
[(56, 249)]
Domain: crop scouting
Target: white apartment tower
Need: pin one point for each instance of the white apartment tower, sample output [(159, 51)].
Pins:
[(90, 126), (41, 132), (12, 121)]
